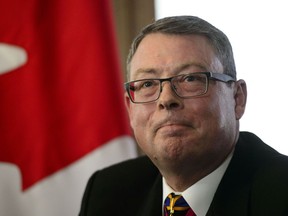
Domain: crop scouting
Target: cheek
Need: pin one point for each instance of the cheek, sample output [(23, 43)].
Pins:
[(211, 113), (139, 120), (138, 117), (204, 110), (226, 111)]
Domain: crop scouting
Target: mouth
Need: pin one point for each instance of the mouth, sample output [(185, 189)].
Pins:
[(172, 126)]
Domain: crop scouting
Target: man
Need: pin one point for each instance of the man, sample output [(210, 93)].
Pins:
[(184, 104)]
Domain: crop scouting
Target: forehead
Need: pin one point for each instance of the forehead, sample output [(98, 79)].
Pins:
[(167, 54)]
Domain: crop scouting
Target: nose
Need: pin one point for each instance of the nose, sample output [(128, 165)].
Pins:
[(168, 99)]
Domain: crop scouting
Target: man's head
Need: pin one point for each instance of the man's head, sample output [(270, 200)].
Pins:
[(188, 25), (184, 134)]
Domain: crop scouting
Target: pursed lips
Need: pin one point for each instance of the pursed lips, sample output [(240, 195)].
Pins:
[(171, 124)]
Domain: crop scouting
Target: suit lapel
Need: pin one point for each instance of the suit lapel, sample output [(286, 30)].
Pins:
[(233, 194), (152, 205)]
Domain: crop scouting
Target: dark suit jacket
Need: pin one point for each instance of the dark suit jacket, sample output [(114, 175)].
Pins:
[(255, 184)]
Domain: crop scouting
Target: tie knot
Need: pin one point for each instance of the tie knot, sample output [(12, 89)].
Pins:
[(175, 205)]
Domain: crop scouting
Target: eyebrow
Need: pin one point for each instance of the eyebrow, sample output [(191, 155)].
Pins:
[(190, 64), (178, 69), (145, 71)]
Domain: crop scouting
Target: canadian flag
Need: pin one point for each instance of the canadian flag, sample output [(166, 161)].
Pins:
[(61, 103)]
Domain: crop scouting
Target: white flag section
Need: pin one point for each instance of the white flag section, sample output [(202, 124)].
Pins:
[(11, 57), (60, 194)]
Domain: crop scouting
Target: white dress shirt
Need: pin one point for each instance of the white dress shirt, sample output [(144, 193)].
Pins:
[(199, 196)]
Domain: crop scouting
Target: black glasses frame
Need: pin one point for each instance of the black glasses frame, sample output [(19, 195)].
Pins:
[(210, 76)]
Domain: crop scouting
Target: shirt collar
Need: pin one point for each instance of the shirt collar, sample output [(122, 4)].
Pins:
[(199, 196)]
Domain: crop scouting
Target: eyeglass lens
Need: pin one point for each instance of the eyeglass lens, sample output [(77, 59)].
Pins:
[(148, 90)]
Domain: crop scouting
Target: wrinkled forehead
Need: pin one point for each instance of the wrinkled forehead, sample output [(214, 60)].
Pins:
[(158, 53)]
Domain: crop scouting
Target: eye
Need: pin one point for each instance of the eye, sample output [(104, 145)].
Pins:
[(147, 84), (143, 84), (189, 78), (195, 78)]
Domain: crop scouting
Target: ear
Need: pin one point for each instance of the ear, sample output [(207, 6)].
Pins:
[(240, 97)]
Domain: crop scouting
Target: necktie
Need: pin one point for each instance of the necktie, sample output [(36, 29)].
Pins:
[(175, 205)]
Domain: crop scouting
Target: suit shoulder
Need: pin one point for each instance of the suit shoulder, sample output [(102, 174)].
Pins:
[(128, 172), (270, 187), (130, 181), (138, 164), (251, 148)]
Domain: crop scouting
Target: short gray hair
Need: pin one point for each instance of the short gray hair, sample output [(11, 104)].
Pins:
[(188, 25)]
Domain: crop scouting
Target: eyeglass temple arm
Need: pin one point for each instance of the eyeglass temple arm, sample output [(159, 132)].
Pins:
[(222, 77)]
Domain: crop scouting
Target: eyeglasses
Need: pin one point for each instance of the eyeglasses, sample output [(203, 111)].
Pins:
[(184, 85)]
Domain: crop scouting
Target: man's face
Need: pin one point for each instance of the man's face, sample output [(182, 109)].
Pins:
[(173, 130)]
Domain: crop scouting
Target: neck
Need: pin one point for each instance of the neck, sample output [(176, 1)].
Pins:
[(180, 177), (180, 182)]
